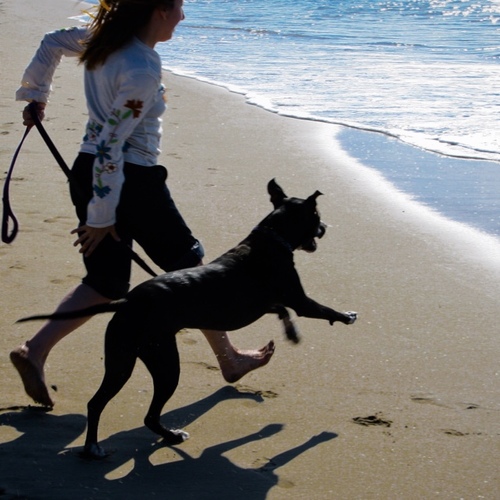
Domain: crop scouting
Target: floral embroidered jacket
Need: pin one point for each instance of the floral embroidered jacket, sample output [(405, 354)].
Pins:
[(125, 102)]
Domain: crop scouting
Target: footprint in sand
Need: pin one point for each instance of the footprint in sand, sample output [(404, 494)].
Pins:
[(57, 281), (454, 432), (57, 218), (257, 392), (427, 399), (240, 387), (373, 420), (6, 125), (189, 341), (17, 266), (268, 467), (207, 366), (433, 400), (285, 483), (15, 179)]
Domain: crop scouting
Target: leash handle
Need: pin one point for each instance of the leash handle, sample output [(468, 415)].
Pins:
[(7, 213)]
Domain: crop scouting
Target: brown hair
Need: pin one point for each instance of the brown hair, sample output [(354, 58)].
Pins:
[(116, 23)]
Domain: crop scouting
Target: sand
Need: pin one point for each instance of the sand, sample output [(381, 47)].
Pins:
[(403, 404)]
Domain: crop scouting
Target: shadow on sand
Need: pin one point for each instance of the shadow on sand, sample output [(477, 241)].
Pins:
[(37, 464)]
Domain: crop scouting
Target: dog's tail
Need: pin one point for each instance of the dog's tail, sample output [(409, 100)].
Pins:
[(113, 306)]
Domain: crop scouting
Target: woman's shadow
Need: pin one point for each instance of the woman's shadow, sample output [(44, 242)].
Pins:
[(38, 464)]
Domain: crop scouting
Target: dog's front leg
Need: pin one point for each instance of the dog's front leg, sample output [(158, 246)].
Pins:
[(291, 331), (309, 308)]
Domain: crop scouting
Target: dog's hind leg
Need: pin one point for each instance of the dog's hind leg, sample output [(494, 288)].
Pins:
[(162, 361), (119, 364)]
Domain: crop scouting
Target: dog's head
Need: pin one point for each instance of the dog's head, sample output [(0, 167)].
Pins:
[(295, 220)]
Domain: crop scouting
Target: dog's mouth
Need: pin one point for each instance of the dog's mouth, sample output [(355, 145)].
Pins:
[(311, 245)]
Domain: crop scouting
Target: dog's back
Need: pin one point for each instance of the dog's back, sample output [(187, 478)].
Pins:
[(229, 293)]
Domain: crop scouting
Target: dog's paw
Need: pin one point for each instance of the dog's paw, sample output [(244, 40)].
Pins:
[(352, 317), (94, 452), (291, 331), (174, 436)]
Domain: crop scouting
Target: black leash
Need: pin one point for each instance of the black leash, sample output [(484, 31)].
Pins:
[(7, 210)]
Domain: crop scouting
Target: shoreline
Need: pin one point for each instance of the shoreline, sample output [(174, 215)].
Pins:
[(460, 189), (402, 404)]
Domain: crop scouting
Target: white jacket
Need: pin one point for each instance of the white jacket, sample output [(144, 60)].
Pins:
[(125, 101)]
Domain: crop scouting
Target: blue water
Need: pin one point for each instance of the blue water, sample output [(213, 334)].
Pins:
[(424, 72)]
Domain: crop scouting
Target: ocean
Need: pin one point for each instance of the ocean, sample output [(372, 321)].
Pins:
[(424, 73)]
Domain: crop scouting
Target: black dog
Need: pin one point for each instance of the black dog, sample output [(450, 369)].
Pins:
[(256, 277)]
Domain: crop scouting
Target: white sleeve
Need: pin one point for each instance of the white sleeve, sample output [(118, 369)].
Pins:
[(135, 97), (37, 79)]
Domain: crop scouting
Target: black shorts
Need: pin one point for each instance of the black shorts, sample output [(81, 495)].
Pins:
[(146, 214)]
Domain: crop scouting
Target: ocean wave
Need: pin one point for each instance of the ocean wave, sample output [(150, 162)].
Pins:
[(432, 144)]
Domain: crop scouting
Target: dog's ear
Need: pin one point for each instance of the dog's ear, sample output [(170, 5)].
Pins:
[(277, 194), (312, 198)]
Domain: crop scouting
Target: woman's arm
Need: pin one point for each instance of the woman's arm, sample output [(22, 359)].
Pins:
[(133, 101), (37, 78), (136, 95)]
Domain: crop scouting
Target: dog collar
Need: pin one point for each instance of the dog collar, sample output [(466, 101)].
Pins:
[(275, 236)]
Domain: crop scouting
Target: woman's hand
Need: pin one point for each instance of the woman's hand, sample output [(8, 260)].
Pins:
[(40, 111), (90, 237)]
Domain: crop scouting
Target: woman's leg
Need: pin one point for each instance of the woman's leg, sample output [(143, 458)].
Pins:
[(108, 270), (235, 363), (29, 358)]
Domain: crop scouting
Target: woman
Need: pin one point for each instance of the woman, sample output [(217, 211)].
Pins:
[(117, 187)]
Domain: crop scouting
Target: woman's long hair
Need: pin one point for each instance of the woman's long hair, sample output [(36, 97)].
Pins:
[(116, 23)]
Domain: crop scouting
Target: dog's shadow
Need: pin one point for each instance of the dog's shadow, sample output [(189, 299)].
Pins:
[(38, 463)]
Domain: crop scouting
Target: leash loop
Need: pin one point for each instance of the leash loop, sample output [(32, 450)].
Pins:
[(7, 213)]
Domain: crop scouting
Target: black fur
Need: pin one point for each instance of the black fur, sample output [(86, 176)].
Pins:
[(256, 277)]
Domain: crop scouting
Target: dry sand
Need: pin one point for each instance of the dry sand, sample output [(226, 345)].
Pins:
[(405, 404)]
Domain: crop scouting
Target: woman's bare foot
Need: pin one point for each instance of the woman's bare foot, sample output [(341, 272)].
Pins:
[(31, 375), (238, 363)]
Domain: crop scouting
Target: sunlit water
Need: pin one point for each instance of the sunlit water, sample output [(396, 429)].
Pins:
[(422, 71)]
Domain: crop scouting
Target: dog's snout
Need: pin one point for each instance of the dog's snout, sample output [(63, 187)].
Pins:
[(321, 230)]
